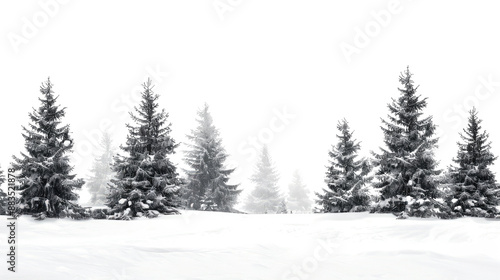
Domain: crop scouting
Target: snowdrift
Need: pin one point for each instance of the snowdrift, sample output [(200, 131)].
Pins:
[(219, 246)]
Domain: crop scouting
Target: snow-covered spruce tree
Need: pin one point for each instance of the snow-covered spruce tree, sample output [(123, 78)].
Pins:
[(298, 196), (346, 177), (101, 172), (3, 195), (146, 181), (406, 166), (282, 209), (45, 184), (265, 197), (474, 191), (207, 187)]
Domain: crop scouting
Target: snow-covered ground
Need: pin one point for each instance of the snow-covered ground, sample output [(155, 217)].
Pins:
[(205, 245)]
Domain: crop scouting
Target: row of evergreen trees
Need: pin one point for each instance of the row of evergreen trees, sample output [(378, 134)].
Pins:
[(405, 173), (142, 181), (206, 184), (204, 190), (266, 197)]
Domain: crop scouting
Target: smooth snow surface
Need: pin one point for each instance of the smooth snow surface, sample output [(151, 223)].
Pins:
[(219, 246)]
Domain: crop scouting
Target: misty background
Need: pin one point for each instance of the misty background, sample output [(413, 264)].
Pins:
[(281, 73)]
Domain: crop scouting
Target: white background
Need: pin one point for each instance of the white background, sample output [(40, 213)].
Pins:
[(248, 62)]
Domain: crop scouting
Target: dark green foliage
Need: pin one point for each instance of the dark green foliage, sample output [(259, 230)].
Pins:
[(101, 172), (346, 177), (406, 166), (146, 181), (45, 184), (474, 191), (207, 187), (265, 197)]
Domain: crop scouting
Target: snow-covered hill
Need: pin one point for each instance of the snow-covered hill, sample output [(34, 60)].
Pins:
[(219, 246)]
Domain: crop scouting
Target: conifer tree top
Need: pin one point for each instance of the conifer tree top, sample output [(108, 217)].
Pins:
[(475, 151), (265, 172), (344, 152), (150, 135), (205, 131), (43, 136), (405, 129)]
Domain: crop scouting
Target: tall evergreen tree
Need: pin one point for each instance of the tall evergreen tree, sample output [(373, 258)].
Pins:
[(346, 176), (266, 197), (45, 183), (207, 186), (473, 184), (101, 172), (407, 165), (3, 195), (298, 197), (146, 181)]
